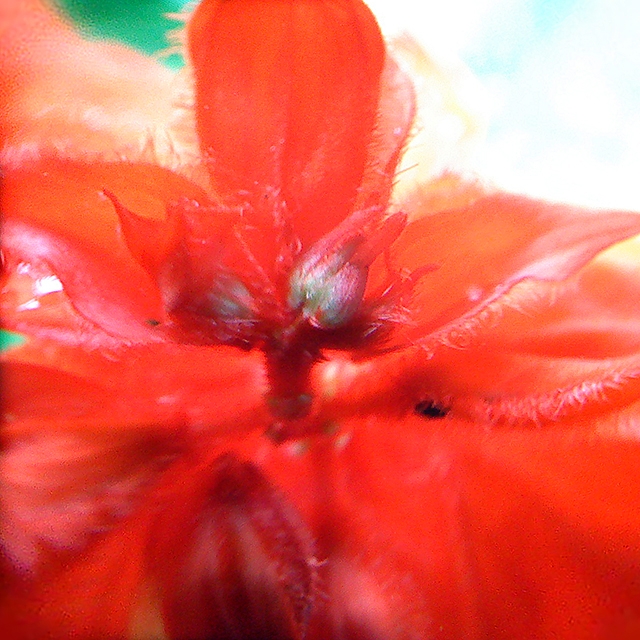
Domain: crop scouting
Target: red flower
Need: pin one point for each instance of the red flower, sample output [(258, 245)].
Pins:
[(264, 393)]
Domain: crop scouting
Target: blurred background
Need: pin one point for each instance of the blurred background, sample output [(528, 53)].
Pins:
[(559, 82)]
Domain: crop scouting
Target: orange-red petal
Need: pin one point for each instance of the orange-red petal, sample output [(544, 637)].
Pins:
[(57, 221), (469, 534), (483, 248), (286, 101)]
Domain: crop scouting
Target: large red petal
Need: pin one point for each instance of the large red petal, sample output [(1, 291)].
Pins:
[(465, 533), (286, 99), (417, 530), (61, 487)]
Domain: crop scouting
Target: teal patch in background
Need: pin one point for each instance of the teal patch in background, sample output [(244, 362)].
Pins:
[(8, 340), (509, 35), (547, 14), (140, 24)]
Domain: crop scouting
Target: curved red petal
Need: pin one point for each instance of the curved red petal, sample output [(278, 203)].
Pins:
[(57, 217), (572, 353), (484, 248), (550, 354)]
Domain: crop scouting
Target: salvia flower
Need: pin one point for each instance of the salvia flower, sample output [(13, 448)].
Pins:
[(268, 386)]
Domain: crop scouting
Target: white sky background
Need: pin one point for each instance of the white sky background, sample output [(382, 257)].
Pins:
[(562, 79)]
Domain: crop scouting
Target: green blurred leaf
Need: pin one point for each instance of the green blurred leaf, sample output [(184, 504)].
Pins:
[(140, 24), (8, 339)]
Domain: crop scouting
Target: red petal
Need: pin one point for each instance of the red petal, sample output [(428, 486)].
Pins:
[(82, 445), (91, 598), (119, 304), (486, 247), (461, 533), (467, 532), (59, 91), (286, 98), (573, 352), (555, 559), (214, 390), (61, 488), (245, 565), (77, 456), (548, 355), (57, 217)]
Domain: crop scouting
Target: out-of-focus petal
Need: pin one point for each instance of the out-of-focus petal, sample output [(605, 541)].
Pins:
[(217, 390), (483, 248), (569, 527), (245, 567), (60, 91), (87, 597), (395, 119), (465, 533), (451, 117), (61, 488), (83, 440), (454, 529)]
